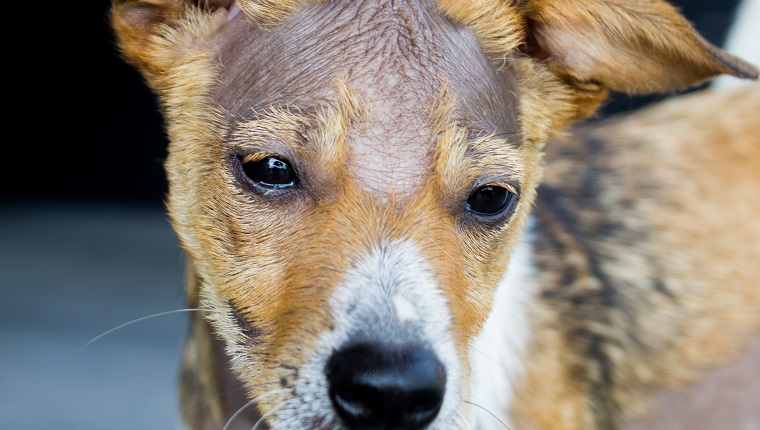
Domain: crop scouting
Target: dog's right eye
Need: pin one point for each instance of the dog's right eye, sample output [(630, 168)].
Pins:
[(269, 172)]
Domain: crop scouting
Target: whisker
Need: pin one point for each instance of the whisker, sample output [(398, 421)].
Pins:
[(511, 133), (489, 357), (240, 410), (250, 403), (261, 420), (443, 250), (463, 420), (96, 338), (487, 411)]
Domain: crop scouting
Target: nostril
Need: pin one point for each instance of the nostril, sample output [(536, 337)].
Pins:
[(375, 385), (360, 403), (424, 407)]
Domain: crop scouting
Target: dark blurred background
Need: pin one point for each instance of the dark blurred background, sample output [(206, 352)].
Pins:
[(84, 241), (114, 146)]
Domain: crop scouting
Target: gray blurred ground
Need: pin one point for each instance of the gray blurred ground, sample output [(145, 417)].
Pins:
[(67, 274)]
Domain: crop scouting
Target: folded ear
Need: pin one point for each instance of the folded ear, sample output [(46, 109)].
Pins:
[(152, 34), (633, 46)]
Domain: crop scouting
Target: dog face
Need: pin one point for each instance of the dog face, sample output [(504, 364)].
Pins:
[(359, 217), (349, 180)]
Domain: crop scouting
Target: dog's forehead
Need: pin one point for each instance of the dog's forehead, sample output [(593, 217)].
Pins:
[(396, 57)]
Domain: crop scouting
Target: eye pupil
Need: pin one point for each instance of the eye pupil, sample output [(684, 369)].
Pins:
[(270, 172), (489, 200)]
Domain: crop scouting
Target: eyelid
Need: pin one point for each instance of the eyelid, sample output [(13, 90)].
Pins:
[(506, 185), (258, 156)]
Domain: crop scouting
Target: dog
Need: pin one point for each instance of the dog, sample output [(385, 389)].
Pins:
[(389, 225)]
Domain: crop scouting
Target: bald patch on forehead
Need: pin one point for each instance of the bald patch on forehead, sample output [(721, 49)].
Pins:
[(391, 154), (497, 23), (388, 142), (394, 55)]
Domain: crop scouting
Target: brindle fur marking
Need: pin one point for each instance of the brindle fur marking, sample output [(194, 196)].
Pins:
[(635, 307)]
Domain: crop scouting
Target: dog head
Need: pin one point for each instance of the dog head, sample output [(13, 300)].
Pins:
[(349, 179)]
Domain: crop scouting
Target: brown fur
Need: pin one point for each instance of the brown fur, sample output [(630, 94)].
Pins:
[(657, 288), (231, 91)]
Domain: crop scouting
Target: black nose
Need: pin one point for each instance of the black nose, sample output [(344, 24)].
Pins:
[(375, 386)]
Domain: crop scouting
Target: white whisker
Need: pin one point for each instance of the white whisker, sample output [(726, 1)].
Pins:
[(261, 420), (93, 340), (463, 420), (250, 403), (489, 357), (489, 413)]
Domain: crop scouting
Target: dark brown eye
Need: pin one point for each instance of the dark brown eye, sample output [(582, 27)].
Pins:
[(270, 172), (490, 200)]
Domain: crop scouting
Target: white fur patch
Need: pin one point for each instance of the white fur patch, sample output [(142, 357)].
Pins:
[(495, 355), (389, 296), (404, 310)]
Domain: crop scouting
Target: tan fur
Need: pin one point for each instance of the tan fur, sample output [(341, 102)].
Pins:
[(686, 300), (270, 12), (618, 32), (264, 267), (457, 162)]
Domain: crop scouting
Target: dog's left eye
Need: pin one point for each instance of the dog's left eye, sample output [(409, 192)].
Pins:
[(270, 172), (490, 200)]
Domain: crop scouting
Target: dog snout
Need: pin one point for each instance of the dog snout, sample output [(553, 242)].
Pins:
[(385, 387)]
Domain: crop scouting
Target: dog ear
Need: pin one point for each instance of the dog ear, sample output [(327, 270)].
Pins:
[(151, 34), (632, 46)]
